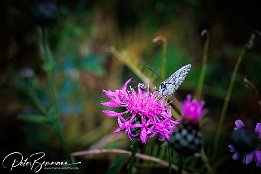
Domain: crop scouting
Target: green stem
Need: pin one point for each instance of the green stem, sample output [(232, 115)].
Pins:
[(36, 99), (229, 91), (134, 147), (48, 67), (206, 162), (59, 130), (180, 164), (164, 54), (170, 160), (227, 98), (204, 66)]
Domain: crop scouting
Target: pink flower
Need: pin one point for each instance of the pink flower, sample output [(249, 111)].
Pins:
[(144, 115), (192, 109), (246, 143)]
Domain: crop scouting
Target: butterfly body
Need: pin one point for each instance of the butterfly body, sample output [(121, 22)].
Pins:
[(170, 85)]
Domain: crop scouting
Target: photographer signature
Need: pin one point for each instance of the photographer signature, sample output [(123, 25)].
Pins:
[(35, 161)]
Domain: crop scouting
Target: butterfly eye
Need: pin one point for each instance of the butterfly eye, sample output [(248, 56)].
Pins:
[(171, 84), (163, 85)]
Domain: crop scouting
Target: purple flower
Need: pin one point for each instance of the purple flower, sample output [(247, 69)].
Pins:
[(246, 142), (192, 109), (144, 114)]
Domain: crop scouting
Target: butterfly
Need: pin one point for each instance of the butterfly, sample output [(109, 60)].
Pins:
[(171, 84)]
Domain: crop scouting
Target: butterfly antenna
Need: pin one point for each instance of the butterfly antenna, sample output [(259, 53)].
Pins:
[(155, 73)]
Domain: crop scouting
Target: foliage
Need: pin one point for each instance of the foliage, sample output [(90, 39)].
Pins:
[(99, 45)]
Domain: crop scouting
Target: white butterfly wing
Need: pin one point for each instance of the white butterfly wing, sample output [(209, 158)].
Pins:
[(170, 85)]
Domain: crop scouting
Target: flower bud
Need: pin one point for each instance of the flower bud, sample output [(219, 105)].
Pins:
[(186, 139), (244, 139), (27, 73)]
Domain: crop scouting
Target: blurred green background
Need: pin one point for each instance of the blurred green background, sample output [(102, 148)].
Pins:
[(81, 41)]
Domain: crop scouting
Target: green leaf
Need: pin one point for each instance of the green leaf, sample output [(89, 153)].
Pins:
[(34, 118), (116, 166), (49, 66), (51, 114)]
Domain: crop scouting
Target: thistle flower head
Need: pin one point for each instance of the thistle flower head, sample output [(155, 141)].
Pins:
[(186, 139), (144, 114), (192, 109), (246, 143)]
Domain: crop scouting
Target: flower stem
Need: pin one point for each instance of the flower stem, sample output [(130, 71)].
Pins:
[(164, 54), (229, 91), (227, 98), (206, 162), (59, 130), (110, 152), (48, 67), (134, 147), (180, 164), (32, 93), (170, 160), (204, 66)]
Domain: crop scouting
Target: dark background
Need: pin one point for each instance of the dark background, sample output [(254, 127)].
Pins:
[(80, 40)]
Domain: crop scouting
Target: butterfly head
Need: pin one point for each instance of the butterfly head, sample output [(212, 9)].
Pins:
[(162, 86), (163, 89)]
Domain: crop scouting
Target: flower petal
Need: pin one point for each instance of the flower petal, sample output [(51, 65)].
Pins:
[(111, 113), (118, 130), (235, 156), (258, 129), (149, 116), (124, 87), (258, 158), (111, 104), (143, 135), (232, 148), (192, 109), (108, 93), (239, 124), (248, 157)]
